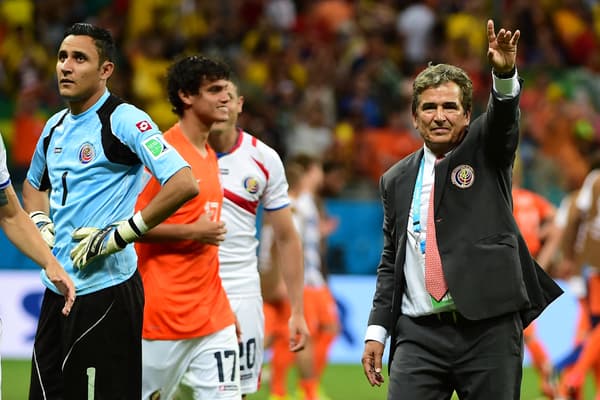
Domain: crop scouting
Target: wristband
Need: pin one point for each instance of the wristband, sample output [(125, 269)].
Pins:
[(139, 222), (128, 231), (506, 75)]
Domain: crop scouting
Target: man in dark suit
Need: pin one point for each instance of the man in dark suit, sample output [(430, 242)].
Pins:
[(454, 292)]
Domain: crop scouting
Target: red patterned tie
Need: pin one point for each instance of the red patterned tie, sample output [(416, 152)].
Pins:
[(434, 275)]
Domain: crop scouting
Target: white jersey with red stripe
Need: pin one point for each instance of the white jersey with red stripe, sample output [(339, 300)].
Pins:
[(308, 219), (252, 174)]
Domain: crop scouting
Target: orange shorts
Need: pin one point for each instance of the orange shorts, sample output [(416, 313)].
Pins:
[(276, 318), (593, 284), (529, 333), (320, 308)]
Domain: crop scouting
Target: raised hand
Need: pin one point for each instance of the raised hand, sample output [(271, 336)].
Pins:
[(502, 48)]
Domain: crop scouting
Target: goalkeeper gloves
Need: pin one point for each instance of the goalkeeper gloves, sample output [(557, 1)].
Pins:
[(44, 225), (95, 242)]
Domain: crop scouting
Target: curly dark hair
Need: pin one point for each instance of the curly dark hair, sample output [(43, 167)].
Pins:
[(189, 73)]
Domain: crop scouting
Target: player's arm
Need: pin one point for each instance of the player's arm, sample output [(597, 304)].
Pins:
[(202, 230), (290, 260), (551, 244), (37, 204), (22, 232), (178, 189), (94, 242), (35, 200)]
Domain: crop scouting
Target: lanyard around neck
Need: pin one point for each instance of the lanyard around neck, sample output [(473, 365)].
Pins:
[(416, 204)]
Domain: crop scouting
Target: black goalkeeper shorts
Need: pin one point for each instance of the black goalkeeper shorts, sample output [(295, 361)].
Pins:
[(95, 352)]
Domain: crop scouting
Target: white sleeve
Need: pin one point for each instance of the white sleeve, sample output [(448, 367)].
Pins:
[(377, 333), (560, 219), (276, 192), (264, 249), (506, 88), (584, 199), (4, 175)]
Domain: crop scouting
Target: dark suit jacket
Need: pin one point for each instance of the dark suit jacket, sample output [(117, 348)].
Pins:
[(486, 263)]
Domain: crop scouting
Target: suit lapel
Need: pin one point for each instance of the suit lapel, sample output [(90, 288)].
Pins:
[(406, 186), (441, 175)]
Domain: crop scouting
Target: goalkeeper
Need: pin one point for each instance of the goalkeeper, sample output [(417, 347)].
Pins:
[(81, 188)]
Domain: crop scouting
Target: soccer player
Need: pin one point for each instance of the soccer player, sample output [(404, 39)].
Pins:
[(84, 178), (276, 307), (22, 232), (252, 174), (534, 216), (582, 243), (320, 306), (189, 327)]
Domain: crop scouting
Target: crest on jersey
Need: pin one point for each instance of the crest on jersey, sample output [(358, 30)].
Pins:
[(463, 176), (156, 146), (86, 153), (251, 184)]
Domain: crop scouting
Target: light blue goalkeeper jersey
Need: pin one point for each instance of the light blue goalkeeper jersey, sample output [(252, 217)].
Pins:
[(93, 165)]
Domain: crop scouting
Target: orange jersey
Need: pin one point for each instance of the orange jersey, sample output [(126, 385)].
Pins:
[(530, 210), (183, 291)]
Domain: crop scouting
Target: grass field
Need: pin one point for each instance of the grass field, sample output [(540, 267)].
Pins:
[(341, 382)]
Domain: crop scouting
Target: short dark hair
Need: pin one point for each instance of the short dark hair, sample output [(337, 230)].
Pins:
[(188, 74), (436, 75), (102, 39)]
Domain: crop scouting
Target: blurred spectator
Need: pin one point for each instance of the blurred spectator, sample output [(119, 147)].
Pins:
[(360, 100), (310, 135), (149, 89), (355, 57), (415, 25), (320, 86), (27, 125), (23, 59), (382, 70), (281, 14), (329, 17), (573, 25), (377, 149)]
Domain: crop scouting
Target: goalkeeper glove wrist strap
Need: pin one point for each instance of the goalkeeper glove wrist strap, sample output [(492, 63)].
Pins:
[(39, 216), (129, 230)]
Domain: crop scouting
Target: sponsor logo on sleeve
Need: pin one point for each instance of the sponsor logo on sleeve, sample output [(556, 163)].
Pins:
[(144, 126), (155, 146)]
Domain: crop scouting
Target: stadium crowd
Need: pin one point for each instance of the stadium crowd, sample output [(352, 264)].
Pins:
[(330, 77)]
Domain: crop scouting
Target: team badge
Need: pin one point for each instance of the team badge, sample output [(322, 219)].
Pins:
[(86, 153), (143, 126), (251, 185), (463, 176), (156, 146)]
